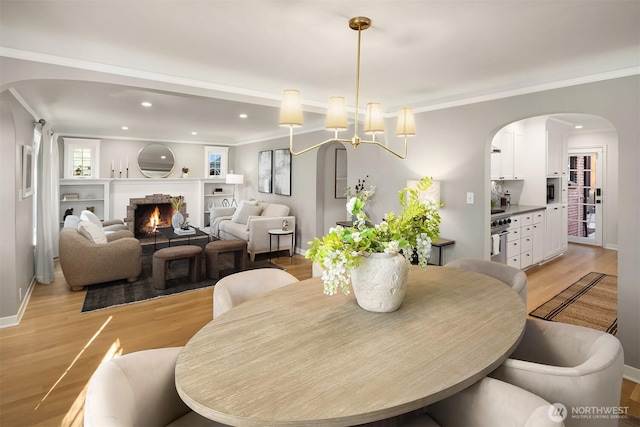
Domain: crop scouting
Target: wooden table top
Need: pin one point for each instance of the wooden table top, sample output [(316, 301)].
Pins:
[(297, 357)]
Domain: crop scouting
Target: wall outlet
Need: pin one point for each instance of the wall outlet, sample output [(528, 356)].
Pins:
[(469, 198)]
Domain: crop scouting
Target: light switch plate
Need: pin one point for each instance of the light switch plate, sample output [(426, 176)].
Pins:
[(470, 198)]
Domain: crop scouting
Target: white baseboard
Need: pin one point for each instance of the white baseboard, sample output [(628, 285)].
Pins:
[(14, 320), (632, 374), (612, 247)]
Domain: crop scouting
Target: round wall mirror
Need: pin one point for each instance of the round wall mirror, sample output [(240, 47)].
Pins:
[(156, 161)]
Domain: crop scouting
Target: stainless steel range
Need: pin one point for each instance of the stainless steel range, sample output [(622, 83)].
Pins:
[(499, 231)]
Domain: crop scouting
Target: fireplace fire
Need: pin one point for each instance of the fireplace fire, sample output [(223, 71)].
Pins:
[(146, 214), (149, 217)]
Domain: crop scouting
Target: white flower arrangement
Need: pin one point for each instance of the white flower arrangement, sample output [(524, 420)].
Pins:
[(414, 229)]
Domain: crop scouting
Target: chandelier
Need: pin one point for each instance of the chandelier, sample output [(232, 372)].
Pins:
[(291, 112)]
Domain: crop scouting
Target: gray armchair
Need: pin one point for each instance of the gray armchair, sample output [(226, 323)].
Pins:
[(84, 262)]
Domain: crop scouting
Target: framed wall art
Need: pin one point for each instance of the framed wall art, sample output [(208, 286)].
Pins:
[(27, 171), (282, 172), (340, 173), (265, 164)]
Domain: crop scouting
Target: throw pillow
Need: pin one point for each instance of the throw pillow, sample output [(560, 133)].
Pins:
[(244, 211), (92, 232), (90, 216)]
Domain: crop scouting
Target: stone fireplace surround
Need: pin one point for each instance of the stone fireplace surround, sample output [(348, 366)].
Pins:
[(151, 199)]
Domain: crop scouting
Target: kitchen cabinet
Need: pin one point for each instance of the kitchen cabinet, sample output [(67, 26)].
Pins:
[(509, 163), (556, 148), (537, 253), (556, 230), (525, 241)]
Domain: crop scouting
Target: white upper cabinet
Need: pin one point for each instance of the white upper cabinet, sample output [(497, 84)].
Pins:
[(557, 148), (509, 162)]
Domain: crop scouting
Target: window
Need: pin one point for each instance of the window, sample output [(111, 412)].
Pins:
[(81, 158), (216, 161)]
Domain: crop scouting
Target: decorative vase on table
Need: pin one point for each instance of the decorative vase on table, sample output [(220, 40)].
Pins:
[(176, 220), (380, 282)]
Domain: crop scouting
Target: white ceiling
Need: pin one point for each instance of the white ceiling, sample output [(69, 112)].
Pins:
[(237, 56)]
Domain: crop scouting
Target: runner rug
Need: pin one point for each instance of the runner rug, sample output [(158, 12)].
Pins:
[(119, 292), (592, 302)]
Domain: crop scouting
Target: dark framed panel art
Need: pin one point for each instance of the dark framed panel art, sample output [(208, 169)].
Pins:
[(265, 164), (27, 171), (282, 172), (340, 173)]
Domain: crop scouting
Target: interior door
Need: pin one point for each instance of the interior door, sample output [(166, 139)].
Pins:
[(585, 198)]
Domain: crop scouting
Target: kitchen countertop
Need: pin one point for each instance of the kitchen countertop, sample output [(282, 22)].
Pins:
[(515, 210)]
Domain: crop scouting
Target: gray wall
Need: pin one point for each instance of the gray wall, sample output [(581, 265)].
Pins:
[(16, 253), (453, 146)]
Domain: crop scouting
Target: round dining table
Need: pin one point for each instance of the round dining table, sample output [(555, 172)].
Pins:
[(298, 357)]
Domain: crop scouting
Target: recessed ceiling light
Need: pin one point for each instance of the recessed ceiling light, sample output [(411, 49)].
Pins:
[(243, 116), (194, 133), (578, 126), (146, 104), (125, 128)]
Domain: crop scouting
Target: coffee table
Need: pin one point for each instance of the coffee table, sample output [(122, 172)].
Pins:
[(171, 235)]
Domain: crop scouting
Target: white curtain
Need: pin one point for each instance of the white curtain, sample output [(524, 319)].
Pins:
[(46, 203)]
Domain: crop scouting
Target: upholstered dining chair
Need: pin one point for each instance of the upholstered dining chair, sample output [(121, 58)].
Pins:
[(578, 367), (240, 287), (505, 273), (487, 403), (138, 389)]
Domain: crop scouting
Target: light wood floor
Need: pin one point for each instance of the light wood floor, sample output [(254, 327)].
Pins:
[(46, 361)]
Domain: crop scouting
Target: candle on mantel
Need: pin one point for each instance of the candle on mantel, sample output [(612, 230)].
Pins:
[(127, 163), (120, 166), (113, 165)]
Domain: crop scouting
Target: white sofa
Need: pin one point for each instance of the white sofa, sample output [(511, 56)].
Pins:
[(251, 221)]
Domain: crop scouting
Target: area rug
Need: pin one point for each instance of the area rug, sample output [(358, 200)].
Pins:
[(592, 302), (112, 294)]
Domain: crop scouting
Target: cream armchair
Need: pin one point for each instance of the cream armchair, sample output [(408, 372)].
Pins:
[(576, 366), (251, 222)]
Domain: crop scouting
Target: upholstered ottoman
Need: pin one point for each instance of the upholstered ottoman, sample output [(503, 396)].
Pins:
[(163, 256), (215, 248)]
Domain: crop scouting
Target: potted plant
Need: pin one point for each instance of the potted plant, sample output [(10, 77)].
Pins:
[(343, 251)]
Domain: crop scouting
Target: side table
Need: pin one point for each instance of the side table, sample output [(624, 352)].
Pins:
[(440, 244), (280, 232)]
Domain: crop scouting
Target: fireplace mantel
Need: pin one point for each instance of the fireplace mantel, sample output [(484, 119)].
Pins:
[(193, 190)]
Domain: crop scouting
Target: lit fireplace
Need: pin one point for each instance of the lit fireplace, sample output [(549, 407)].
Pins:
[(149, 217), (146, 214)]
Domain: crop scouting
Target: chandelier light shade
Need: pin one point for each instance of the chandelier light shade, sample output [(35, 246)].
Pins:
[(291, 109), (373, 121), (291, 112), (406, 123), (336, 114)]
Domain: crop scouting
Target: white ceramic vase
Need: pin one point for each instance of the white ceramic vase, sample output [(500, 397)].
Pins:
[(380, 282), (176, 220)]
